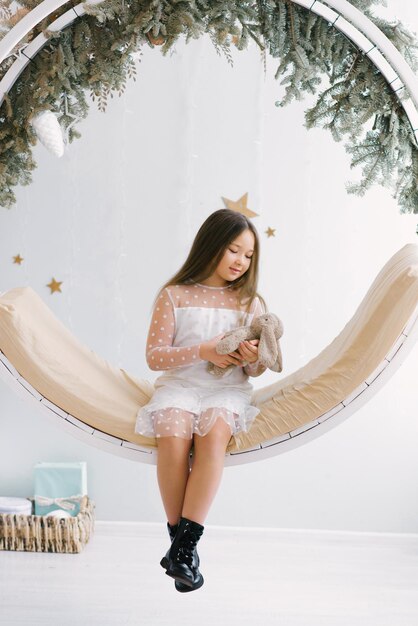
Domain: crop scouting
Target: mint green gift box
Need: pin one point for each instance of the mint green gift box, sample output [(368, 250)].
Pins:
[(59, 486)]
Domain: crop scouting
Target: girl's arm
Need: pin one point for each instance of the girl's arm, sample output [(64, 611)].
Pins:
[(160, 352), (255, 369)]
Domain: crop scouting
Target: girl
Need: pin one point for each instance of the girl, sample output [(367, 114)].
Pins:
[(213, 292)]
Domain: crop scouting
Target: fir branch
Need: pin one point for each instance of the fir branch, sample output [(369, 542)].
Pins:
[(94, 56)]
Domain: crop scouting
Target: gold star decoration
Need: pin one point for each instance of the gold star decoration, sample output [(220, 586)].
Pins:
[(54, 286), (270, 232), (17, 259), (240, 206)]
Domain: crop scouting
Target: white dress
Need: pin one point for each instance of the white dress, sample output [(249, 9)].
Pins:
[(188, 398)]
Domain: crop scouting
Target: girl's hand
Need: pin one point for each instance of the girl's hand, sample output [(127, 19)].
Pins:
[(248, 350), (207, 352)]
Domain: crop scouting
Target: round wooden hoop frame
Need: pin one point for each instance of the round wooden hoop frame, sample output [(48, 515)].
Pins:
[(373, 43)]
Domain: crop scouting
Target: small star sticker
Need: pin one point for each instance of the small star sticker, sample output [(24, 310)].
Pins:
[(17, 259), (270, 232), (54, 286), (240, 206)]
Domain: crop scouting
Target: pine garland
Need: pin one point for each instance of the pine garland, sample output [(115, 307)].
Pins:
[(94, 56)]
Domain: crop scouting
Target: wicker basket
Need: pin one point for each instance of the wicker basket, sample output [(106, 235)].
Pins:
[(39, 533)]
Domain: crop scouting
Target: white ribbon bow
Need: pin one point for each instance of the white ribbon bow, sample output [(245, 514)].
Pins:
[(63, 503)]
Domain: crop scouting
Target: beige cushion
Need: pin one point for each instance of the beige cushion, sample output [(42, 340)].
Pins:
[(107, 398), (65, 371)]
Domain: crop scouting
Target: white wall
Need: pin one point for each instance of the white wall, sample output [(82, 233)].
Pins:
[(115, 217)]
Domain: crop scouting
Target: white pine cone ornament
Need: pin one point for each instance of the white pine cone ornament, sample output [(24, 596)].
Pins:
[(49, 132)]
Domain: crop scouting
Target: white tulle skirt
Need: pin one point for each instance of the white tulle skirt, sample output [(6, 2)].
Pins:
[(181, 411)]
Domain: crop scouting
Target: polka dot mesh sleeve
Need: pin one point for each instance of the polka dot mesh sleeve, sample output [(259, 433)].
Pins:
[(256, 369), (160, 352)]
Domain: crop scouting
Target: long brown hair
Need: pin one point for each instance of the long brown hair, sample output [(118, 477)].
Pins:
[(213, 237)]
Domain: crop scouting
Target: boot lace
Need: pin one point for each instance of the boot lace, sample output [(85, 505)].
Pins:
[(187, 547)]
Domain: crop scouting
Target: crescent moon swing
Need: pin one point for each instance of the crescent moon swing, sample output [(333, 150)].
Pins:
[(97, 403)]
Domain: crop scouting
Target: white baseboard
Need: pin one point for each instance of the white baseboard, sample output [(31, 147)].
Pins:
[(155, 529)]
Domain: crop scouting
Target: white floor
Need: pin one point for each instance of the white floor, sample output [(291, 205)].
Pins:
[(258, 577)]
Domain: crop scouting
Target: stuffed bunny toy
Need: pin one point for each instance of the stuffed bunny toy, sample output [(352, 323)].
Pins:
[(268, 329)]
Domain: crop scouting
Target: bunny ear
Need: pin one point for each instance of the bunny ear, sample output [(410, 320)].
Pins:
[(268, 347), (278, 365), (279, 361)]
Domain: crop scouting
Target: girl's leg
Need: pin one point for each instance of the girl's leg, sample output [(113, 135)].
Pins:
[(172, 474), (174, 433), (206, 473)]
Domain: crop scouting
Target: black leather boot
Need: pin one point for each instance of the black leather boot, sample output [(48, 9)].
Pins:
[(182, 558), (172, 532), (164, 562)]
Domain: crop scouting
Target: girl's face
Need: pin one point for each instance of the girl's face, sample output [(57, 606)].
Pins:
[(236, 256)]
